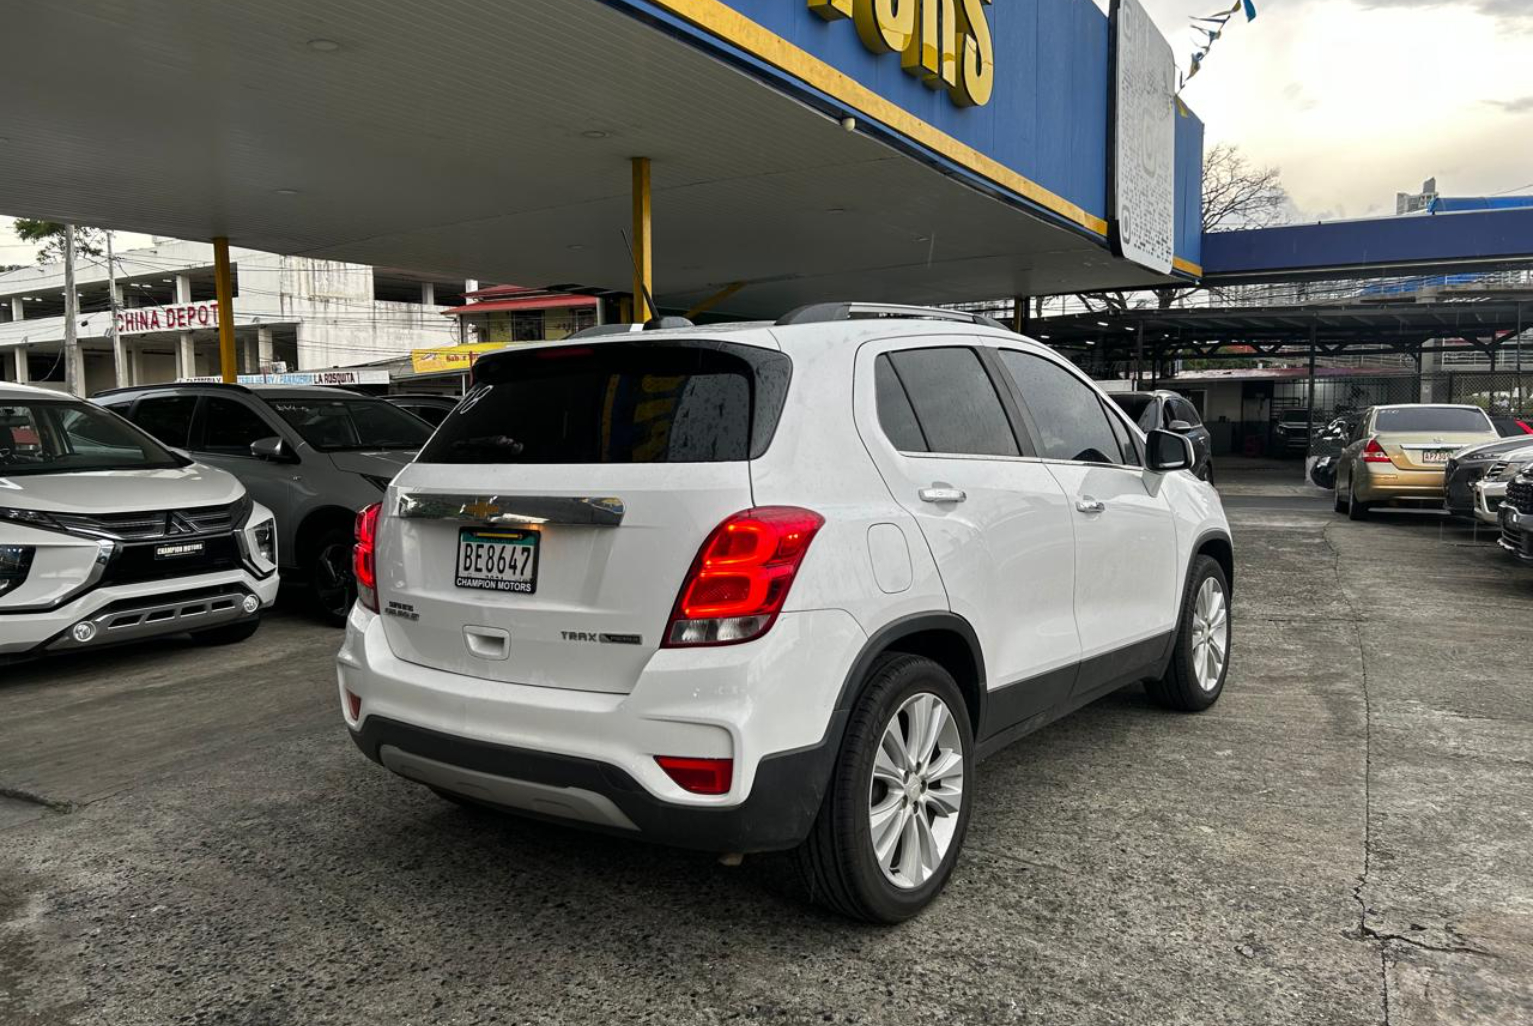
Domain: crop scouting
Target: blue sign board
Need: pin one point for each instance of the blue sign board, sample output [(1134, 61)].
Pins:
[(1037, 133)]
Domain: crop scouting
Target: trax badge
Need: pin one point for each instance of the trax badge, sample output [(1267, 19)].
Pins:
[(602, 638)]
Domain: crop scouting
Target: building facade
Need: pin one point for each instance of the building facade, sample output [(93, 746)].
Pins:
[(291, 313)]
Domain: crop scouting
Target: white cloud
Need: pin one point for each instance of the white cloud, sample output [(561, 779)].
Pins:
[(1358, 99)]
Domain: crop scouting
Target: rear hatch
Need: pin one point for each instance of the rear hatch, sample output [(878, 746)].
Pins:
[(1426, 437), (541, 536)]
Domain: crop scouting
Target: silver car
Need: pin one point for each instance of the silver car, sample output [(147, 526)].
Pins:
[(314, 456)]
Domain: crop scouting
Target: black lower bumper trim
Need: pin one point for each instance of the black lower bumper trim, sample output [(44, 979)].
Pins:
[(783, 803)]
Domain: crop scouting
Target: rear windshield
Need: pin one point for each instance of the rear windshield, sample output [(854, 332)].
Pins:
[(617, 402), (1431, 418)]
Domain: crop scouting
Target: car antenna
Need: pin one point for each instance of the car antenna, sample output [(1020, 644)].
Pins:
[(655, 319)]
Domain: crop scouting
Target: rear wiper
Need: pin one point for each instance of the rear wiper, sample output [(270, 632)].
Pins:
[(511, 445)]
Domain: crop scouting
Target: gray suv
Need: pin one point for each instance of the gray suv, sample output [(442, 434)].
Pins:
[(314, 456)]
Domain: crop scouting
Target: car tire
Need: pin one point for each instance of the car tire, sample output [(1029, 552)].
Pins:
[(1193, 682), (889, 881), (229, 634), (1356, 509), (1339, 504), (332, 588)]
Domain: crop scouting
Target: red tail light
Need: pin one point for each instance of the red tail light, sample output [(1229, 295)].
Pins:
[(700, 776), (364, 562), (741, 576), (1373, 452)]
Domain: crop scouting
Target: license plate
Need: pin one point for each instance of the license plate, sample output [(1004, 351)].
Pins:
[(1436, 455), (176, 550), (490, 559)]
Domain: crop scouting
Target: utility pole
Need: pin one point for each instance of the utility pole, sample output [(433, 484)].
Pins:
[(74, 371), (119, 355)]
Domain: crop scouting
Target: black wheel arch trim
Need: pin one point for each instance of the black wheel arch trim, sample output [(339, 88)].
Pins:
[(886, 638), (1198, 544)]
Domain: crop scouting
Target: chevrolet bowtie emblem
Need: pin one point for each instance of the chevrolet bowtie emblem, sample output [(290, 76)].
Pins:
[(482, 509)]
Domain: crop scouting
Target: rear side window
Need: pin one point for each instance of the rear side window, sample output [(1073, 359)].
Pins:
[(954, 402), (895, 414), (1068, 415), (1181, 409), (618, 402), (166, 417)]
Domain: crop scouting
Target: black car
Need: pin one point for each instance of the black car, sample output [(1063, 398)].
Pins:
[(431, 408), (1510, 426), (1517, 517), (1290, 433), (1172, 412), (1466, 467)]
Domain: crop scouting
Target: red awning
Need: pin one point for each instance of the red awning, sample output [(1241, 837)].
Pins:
[(543, 302)]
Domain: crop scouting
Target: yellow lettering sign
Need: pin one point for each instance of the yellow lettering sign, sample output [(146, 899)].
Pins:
[(944, 43)]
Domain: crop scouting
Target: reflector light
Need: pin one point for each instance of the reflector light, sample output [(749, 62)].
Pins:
[(740, 579), (1373, 452), (364, 563), (699, 776), (354, 706)]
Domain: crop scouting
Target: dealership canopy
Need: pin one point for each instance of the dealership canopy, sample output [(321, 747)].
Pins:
[(924, 150)]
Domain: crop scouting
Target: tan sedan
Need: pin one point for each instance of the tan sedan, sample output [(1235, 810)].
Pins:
[(1397, 455)]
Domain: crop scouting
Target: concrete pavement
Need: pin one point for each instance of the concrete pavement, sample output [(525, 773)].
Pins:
[(1343, 839)]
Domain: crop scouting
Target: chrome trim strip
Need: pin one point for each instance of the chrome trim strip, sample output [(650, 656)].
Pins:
[(502, 510)]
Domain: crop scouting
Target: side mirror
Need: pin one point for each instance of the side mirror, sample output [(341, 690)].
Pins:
[(1181, 427), (272, 449), (1167, 451)]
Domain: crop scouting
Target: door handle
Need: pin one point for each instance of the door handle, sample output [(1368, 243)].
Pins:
[(1089, 505), (943, 493)]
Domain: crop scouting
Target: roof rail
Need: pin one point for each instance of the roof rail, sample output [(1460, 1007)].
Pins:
[(170, 384), (821, 313), (605, 329)]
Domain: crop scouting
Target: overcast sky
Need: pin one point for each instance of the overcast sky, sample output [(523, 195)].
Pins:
[(1354, 100)]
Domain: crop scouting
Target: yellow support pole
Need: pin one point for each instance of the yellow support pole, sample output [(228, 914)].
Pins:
[(715, 299), (228, 366), (643, 254)]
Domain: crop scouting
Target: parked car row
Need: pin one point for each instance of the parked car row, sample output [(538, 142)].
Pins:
[(314, 456), (1456, 458)]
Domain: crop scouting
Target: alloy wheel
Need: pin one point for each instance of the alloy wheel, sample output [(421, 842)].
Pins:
[(916, 792), (1210, 634)]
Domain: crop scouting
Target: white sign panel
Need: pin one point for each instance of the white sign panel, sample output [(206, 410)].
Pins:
[(182, 317), (323, 377), (1144, 140)]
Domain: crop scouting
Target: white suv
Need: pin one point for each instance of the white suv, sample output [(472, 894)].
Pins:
[(106, 536), (761, 586)]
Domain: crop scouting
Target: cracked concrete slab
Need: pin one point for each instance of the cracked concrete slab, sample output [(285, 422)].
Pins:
[(1359, 799)]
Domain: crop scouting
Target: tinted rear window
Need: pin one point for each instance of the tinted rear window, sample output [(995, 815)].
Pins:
[(1430, 418), (617, 402)]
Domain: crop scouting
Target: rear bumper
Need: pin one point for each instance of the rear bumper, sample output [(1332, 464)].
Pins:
[(1517, 533), (599, 795), (1389, 483), (581, 756)]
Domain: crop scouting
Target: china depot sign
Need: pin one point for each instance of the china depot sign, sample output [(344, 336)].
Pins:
[(183, 317), (944, 43)]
